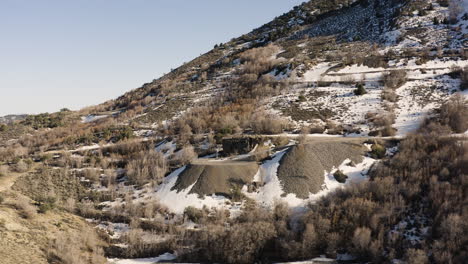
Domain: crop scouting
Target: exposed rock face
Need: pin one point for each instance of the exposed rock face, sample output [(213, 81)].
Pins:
[(302, 169), (216, 177)]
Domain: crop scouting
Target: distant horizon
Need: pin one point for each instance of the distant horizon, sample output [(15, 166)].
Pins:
[(58, 54)]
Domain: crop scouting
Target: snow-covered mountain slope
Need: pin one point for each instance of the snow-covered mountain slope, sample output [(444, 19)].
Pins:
[(408, 57), (308, 73)]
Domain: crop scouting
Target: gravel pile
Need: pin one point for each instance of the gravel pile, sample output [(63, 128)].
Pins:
[(216, 177), (301, 170)]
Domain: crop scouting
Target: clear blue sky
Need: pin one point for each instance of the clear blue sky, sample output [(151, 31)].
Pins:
[(64, 53)]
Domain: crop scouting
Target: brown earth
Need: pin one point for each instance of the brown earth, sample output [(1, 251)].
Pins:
[(53, 237)]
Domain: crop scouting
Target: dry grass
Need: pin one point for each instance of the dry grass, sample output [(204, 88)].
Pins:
[(24, 207)]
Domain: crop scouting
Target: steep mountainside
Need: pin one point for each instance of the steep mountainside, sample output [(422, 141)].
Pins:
[(337, 129)]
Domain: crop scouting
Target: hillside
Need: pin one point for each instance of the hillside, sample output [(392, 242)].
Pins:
[(338, 129)]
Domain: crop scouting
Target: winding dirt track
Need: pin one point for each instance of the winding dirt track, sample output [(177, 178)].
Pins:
[(6, 182)]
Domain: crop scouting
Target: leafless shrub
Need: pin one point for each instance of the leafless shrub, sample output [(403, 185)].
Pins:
[(383, 119), (186, 155), (333, 128), (21, 166), (416, 256), (454, 113), (70, 205), (147, 166), (394, 79), (263, 123), (72, 248), (27, 210), (145, 244), (389, 95), (91, 174)]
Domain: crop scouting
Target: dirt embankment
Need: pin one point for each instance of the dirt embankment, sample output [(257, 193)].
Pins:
[(216, 177), (301, 171)]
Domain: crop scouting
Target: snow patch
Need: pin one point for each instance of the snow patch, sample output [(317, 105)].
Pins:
[(161, 258)]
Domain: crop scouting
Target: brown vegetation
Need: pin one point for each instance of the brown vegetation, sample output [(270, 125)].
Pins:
[(394, 79), (147, 166)]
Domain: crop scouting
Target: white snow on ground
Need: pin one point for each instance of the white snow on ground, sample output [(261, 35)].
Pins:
[(272, 191), (322, 259), (116, 229), (162, 258), (315, 74), (91, 147), (359, 69), (267, 195), (427, 88), (92, 118), (167, 148), (418, 99), (356, 174)]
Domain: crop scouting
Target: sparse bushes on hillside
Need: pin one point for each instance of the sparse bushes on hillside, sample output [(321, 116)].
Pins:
[(186, 155), (21, 166), (46, 204), (195, 215), (25, 208), (247, 240), (383, 123), (146, 167), (259, 60), (45, 120), (389, 95), (76, 249), (263, 123), (378, 151), (394, 79), (454, 114)]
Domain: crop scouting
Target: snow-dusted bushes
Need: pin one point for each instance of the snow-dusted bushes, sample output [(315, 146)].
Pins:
[(394, 79), (389, 95)]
